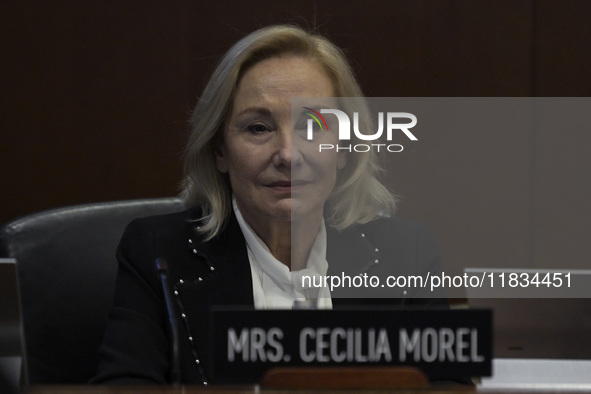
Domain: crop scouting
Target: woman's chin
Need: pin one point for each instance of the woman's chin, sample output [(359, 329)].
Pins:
[(281, 210), (294, 210), (304, 210)]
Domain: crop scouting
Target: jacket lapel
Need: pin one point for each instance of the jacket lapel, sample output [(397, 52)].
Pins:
[(231, 276), (349, 252)]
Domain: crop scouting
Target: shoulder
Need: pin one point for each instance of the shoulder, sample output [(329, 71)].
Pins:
[(394, 229), (163, 236), (164, 225), (385, 239), (401, 239), (191, 215), (391, 223), (157, 235)]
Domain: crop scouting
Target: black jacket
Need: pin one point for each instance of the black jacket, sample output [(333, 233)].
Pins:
[(135, 348)]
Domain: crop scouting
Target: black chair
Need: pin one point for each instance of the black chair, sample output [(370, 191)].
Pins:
[(66, 270)]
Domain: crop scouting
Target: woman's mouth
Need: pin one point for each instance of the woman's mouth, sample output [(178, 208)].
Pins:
[(280, 184), (286, 186)]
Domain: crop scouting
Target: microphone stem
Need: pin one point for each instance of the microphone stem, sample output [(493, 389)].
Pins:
[(173, 326)]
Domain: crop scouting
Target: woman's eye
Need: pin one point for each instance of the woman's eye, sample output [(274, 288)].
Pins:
[(257, 128)]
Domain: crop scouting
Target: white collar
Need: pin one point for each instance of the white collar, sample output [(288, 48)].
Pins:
[(274, 285)]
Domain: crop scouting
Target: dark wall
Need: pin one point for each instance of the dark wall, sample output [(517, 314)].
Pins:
[(95, 95)]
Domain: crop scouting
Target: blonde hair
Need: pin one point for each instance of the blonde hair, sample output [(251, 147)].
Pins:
[(358, 196)]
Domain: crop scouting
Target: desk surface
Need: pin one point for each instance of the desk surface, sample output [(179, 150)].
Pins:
[(541, 374), (509, 376)]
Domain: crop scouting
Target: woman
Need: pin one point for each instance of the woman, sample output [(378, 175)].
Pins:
[(265, 208)]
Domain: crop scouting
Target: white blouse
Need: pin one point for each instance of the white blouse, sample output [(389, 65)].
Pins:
[(274, 286)]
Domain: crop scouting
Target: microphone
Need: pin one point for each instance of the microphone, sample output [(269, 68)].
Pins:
[(173, 326)]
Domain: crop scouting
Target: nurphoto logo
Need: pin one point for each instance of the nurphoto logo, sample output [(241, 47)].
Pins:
[(394, 122)]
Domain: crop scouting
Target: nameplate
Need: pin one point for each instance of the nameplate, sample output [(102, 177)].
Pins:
[(445, 344)]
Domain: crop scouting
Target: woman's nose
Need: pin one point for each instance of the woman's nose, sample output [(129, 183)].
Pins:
[(287, 152)]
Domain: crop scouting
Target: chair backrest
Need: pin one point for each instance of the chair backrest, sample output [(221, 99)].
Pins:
[(66, 268)]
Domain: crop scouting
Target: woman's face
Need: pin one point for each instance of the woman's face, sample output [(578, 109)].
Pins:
[(275, 173)]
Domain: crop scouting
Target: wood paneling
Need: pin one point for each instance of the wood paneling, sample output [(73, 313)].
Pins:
[(95, 97)]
